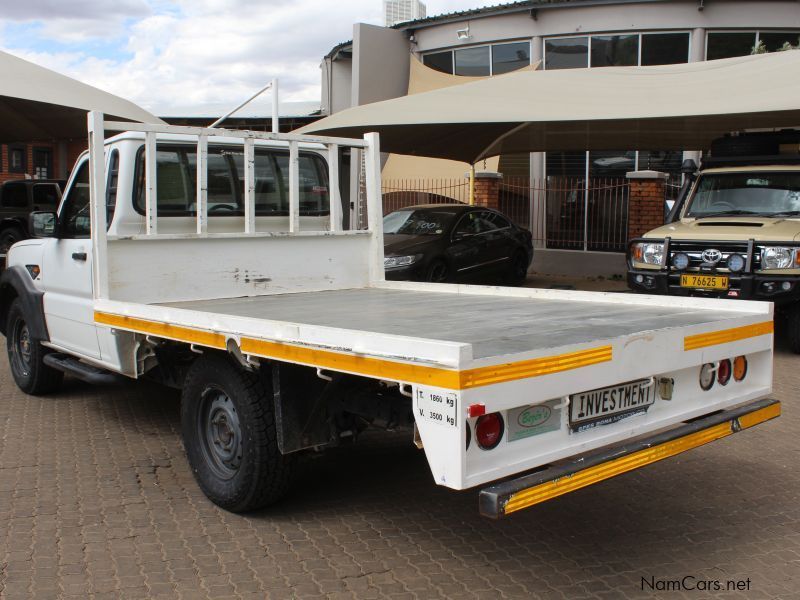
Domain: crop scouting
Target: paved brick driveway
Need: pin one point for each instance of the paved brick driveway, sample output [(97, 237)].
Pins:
[(96, 500)]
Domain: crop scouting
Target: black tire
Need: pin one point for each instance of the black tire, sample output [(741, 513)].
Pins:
[(437, 271), (230, 437), (26, 356), (518, 269), (792, 324), (9, 237)]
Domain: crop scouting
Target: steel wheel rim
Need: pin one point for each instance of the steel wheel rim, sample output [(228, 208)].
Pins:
[(220, 433), (22, 347)]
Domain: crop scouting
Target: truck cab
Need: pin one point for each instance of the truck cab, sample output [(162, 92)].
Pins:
[(736, 232)]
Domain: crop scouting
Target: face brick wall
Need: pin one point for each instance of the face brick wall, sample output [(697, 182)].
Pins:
[(58, 149), (646, 204)]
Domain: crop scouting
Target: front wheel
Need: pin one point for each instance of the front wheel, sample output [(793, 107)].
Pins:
[(26, 356), (230, 437), (437, 272)]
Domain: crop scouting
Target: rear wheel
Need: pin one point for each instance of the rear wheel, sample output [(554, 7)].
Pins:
[(9, 237), (437, 271), (229, 432), (26, 356), (518, 271)]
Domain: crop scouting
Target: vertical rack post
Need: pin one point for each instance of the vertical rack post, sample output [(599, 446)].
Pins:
[(97, 199), (294, 188), (150, 210), (276, 117), (374, 205), (249, 185), (202, 184), (334, 198)]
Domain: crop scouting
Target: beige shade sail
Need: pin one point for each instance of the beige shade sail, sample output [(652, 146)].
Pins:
[(38, 104), (666, 107)]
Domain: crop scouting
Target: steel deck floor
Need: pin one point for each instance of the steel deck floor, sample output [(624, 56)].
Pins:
[(493, 325)]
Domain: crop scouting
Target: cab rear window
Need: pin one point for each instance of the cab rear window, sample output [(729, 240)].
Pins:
[(176, 182)]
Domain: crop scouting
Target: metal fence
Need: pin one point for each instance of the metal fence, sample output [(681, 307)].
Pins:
[(560, 212)]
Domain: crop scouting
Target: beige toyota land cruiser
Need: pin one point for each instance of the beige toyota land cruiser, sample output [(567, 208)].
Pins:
[(735, 232)]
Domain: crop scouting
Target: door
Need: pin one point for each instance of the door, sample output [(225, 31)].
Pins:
[(479, 245), (67, 273)]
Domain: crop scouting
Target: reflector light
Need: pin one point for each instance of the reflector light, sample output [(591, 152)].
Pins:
[(724, 372), (489, 430), (476, 410), (739, 368), (707, 376)]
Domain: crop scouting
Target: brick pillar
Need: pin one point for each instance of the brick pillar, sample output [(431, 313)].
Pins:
[(646, 201), (487, 188)]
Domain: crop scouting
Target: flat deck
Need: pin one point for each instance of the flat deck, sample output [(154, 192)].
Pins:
[(493, 325)]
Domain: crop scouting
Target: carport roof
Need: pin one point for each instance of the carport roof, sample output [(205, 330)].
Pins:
[(37, 103), (677, 107)]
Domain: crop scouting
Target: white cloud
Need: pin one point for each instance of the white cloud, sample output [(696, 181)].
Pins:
[(195, 52)]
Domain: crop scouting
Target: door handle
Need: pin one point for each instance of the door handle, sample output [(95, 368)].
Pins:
[(79, 256)]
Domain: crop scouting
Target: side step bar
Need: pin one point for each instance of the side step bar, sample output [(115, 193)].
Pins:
[(506, 497), (76, 368)]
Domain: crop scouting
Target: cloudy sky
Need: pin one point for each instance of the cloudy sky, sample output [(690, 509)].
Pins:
[(189, 53)]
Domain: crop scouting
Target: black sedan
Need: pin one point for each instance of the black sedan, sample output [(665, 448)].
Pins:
[(455, 243)]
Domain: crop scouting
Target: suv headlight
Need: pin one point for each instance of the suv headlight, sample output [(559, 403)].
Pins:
[(391, 262), (779, 257), (649, 253)]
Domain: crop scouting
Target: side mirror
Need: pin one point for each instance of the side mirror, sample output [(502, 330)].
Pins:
[(42, 224), (689, 167)]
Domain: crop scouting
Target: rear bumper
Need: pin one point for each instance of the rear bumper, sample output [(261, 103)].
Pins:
[(510, 496)]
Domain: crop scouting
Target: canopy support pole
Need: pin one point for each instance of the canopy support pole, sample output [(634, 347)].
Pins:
[(472, 185)]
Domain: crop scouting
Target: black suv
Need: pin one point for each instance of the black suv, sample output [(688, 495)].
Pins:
[(17, 200)]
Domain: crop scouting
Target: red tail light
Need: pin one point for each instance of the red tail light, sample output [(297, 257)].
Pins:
[(724, 372), (489, 430)]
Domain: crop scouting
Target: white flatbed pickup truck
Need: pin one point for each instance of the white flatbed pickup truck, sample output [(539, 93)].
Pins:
[(219, 262)]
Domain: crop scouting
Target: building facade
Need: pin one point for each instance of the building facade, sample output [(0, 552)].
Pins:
[(399, 11), (39, 160), (559, 34)]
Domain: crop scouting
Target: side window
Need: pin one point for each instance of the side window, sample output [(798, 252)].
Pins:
[(15, 195), (74, 219), (111, 186), (46, 196), (313, 183), (468, 225), (496, 219)]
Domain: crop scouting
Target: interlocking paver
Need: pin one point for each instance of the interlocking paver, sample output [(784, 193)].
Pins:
[(96, 500)]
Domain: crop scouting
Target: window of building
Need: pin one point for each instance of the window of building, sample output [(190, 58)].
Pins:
[(774, 40), (17, 159), (473, 62), (481, 61), (42, 163), (615, 50), (665, 48), (566, 53), (441, 61), (510, 57), (727, 44)]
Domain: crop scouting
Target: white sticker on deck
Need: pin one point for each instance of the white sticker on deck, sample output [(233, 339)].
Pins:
[(437, 406)]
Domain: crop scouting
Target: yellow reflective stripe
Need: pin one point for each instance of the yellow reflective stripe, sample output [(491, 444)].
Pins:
[(165, 330), (534, 367), (765, 414), (370, 367), (635, 460), (702, 340)]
